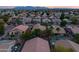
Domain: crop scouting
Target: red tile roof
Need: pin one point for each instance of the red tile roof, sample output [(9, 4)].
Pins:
[(21, 27), (36, 45), (64, 43)]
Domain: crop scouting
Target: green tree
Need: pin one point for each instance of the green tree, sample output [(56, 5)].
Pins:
[(5, 18), (1, 28), (48, 32), (36, 32), (26, 36), (18, 21), (67, 17), (62, 16), (74, 20), (76, 38), (63, 23)]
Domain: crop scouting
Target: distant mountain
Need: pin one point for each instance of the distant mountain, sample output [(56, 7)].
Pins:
[(29, 8), (40, 8)]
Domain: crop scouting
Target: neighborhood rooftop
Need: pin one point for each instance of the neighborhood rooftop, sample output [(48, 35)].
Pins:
[(36, 45), (21, 27)]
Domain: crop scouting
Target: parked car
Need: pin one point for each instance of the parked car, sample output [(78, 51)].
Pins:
[(16, 48)]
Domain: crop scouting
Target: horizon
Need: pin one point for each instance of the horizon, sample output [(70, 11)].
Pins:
[(10, 7)]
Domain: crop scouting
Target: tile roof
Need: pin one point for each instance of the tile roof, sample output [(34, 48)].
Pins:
[(64, 43), (21, 27), (36, 45), (61, 30), (38, 26)]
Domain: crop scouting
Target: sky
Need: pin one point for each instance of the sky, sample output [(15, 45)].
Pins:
[(5, 7), (63, 6), (9, 7)]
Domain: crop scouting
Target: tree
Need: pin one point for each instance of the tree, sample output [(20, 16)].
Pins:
[(74, 20), (48, 32), (76, 38), (63, 23), (1, 28), (5, 18), (62, 16), (67, 17), (26, 36), (18, 21), (36, 32)]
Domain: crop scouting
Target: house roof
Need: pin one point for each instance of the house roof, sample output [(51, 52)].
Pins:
[(36, 45), (64, 43), (46, 20), (21, 27), (74, 28), (60, 31), (38, 26), (38, 17), (67, 20)]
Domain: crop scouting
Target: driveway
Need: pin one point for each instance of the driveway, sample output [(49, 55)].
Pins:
[(5, 45)]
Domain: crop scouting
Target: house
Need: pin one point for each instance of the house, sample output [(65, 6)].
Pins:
[(66, 13), (46, 20), (44, 15), (27, 19), (12, 20), (37, 20), (36, 45), (68, 44), (56, 21), (75, 29), (51, 17), (64, 43), (19, 29), (38, 26), (38, 16), (58, 30), (57, 14)]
